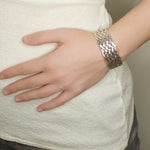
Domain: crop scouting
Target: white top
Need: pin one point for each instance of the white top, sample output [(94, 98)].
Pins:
[(100, 118)]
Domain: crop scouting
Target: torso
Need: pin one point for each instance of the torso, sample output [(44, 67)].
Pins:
[(88, 121)]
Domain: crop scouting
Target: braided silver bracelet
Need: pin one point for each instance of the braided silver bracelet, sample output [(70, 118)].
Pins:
[(108, 48)]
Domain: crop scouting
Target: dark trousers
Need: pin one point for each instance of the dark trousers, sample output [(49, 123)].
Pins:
[(133, 142)]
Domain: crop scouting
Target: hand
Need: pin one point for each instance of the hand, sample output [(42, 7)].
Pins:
[(74, 66)]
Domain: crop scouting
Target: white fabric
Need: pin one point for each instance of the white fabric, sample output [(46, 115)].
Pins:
[(100, 118)]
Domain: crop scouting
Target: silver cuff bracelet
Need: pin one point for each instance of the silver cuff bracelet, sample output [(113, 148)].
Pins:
[(108, 48)]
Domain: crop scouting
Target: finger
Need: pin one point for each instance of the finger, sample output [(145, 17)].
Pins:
[(26, 83), (46, 36), (57, 101), (38, 93), (31, 66)]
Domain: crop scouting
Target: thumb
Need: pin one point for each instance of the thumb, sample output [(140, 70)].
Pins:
[(46, 36)]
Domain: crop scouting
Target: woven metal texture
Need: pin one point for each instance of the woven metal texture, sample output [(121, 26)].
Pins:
[(108, 48)]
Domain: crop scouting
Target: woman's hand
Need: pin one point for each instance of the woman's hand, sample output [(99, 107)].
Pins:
[(74, 66)]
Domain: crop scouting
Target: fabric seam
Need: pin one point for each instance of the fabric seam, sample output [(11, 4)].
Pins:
[(121, 100)]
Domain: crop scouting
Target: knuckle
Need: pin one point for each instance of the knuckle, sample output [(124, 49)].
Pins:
[(40, 94), (38, 38), (61, 34), (11, 87), (63, 101), (9, 90), (29, 84), (52, 90), (34, 38), (49, 63), (24, 96), (47, 106), (75, 90), (53, 104), (23, 70), (59, 75), (57, 103), (15, 88)]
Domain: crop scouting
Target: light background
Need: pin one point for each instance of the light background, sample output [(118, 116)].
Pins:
[(139, 63)]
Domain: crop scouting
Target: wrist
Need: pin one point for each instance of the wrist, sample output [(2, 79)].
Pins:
[(108, 48), (120, 47)]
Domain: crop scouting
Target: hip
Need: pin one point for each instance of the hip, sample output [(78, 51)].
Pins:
[(133, 141), (93, 109), (84, 119)]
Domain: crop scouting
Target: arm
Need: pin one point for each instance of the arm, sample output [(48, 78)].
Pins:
[(76, 64), (132, 30)]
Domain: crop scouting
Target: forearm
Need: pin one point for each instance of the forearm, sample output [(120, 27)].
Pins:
[(132, 30)]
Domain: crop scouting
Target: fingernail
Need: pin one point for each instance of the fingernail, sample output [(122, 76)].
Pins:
[(2, 77), (6, 92), (26, 38), (18, 99), (40, 109)]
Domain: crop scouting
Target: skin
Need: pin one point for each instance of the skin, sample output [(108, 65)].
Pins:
[(79, 64)]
